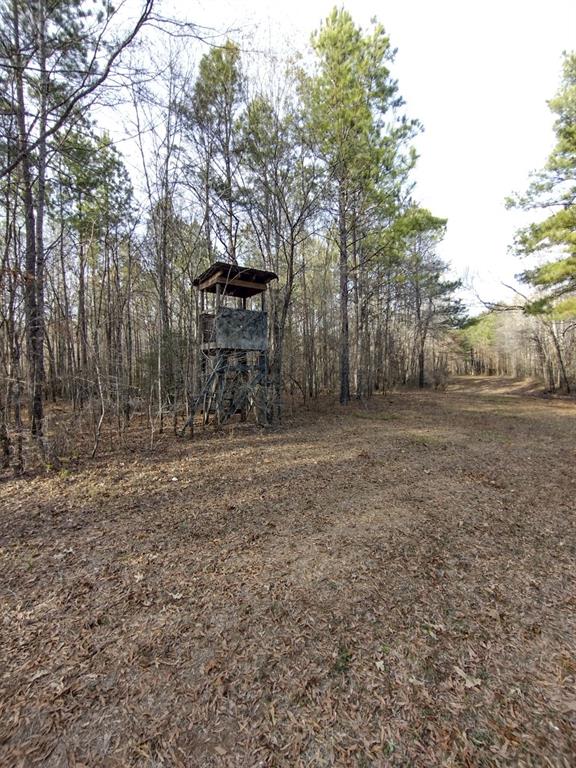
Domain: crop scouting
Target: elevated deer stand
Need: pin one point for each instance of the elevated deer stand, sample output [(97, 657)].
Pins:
[(233, 361)]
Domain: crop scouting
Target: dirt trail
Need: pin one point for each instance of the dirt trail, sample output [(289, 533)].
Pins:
[(392, 585)]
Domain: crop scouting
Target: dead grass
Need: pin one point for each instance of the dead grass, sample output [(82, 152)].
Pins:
[(387, 591)]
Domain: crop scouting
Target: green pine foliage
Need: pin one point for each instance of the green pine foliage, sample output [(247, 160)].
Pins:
[(554, 189)]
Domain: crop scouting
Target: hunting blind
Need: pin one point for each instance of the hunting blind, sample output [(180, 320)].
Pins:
[(233, 345)]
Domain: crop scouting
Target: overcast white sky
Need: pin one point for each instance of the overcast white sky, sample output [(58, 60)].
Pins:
[(477, 75)]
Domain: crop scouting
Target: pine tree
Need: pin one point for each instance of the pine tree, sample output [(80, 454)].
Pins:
[(350, 102), (554, 188)]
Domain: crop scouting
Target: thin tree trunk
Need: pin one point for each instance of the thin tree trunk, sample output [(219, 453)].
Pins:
[(34, 324), (344, 331)]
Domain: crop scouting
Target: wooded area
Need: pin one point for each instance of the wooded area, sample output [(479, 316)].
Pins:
[(271, 492), (301, 170), (98, 308)]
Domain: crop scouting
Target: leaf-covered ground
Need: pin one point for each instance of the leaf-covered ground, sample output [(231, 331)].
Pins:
[(392, 585)]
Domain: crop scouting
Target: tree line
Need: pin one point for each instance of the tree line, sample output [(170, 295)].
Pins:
[(536, 335), (302, 167)]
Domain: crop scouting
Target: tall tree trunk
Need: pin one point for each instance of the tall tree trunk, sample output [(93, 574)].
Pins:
[(32, 292), (344, 331), (564, 381)]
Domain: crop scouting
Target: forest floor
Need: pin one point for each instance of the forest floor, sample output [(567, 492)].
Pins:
[(389, 585)]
